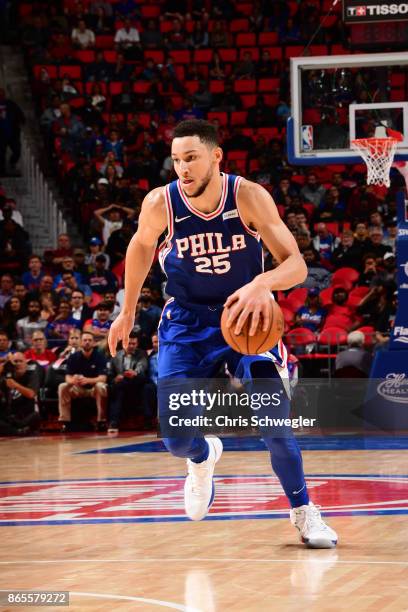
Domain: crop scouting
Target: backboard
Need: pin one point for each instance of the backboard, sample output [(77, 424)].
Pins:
[(338, 98)]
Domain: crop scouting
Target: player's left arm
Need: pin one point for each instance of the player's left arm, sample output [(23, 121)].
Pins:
[(259, 212)]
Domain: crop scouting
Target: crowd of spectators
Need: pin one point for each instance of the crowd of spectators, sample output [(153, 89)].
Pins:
[(111, 80)]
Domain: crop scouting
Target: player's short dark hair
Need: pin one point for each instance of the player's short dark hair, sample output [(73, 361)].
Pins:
[(206, 131)]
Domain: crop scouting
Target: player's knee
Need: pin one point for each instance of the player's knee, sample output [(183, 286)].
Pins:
[(179, 447), (282, 447)]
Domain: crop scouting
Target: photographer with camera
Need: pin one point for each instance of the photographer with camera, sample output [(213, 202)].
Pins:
[(19, 387)]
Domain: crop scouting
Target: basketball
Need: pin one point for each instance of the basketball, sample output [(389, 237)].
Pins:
[(261, 341)]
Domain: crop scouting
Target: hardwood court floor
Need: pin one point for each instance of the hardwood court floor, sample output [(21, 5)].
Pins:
[(243, 564)]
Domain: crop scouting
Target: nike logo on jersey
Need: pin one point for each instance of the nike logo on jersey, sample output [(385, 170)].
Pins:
[(178, 219)]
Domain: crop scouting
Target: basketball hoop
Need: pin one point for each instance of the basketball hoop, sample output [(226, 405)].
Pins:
[(378, 154)]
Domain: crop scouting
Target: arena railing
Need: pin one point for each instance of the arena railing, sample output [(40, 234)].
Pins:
[(47, 208)]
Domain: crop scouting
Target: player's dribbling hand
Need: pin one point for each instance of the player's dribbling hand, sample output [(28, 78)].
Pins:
[(120, 330), (253, 298)]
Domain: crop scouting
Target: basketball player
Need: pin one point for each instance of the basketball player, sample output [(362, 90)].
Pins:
[(212, 256)]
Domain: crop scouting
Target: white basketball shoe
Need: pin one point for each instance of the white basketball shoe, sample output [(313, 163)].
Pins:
[(199, 486), (313, 530)]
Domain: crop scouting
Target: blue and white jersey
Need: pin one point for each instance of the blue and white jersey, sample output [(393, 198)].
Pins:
[(208, 256)]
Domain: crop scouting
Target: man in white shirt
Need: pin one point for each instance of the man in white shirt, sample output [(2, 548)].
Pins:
[(127, 40), (82, 37)]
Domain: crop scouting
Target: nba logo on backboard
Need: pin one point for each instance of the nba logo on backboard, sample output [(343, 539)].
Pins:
[(307, 137)]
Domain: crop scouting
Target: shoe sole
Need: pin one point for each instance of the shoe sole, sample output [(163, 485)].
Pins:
[(319, 543)]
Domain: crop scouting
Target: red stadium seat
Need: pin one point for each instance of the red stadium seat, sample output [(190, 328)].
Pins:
[(268, 85), (347, 274), (299, 337), (52, 71), (141, 87), (191, 86), (244, 8), (228, 55), (288, 315), (148, 11), (85, 56), (239, 25), (326, 296), (297, 297), (217, 86), (238, 117), (247, 39), (245, 86), (221, 116), (155, 54), (182, 56), (267, 38), (293, 51), (275, 52), (332, 337), (237, 155), (248, 100), (253, 51), (340, 321), (118, 271), (89, 86), (73, 72), (166, 26), (110, 56), (202, 56), (104, 42), (268, 132)]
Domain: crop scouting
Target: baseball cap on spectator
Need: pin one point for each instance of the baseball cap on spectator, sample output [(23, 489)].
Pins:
[(79, 252), (313, 292), (103, 181), (388, 255), (95, 241)]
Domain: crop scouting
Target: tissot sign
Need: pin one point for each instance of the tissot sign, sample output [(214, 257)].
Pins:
[(355, 11)]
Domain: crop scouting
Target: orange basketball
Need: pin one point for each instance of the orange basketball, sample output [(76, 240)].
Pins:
[(261, 341)]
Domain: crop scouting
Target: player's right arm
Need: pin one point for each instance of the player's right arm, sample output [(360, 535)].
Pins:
[(139, 258)]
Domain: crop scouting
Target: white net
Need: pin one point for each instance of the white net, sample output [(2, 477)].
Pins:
[(378, 154)]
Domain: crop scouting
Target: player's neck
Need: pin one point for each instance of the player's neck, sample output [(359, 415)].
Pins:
[(210, 199)]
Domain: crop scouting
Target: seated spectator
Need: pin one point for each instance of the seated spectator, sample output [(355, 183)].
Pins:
[(19, 386), (153, 360), (260, 115), (312, 314), (339, 304), (129, 381), (245, 67), (317, 276), (85, 377), (199, 36), (217, 67), (391, 235), (312, 191), (99, 70), (330, 208), (151, 36), (375, 244), (82, 37), (16, 214), (64, 249), (355, 355), (12, 312), (289, 32), (120, 70), (176, 38), (20, 291), (324, 242), (347, 254), (101, 22), (125, 8), (31, 323), (5, 346), (202, 99), (264, 66), (124, 102), (14, 244), (69, 129), (95, 248), (361, 236), (58, 329), (80, 311), (96, 5), (97, 98), (38, 350), (285, 188), (369, 270), (304, 239), (68, 284), (33, 276), (111, 219), (119, 241), (100, 325), (79, 263), (220, 36), (127, 41), (387, 275), (6, 289), (55, 374), (101, 280), (67, 266)]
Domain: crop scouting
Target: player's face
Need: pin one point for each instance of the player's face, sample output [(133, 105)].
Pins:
[(195, 164)]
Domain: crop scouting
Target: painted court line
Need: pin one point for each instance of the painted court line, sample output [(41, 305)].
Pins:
[(204, 560)]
